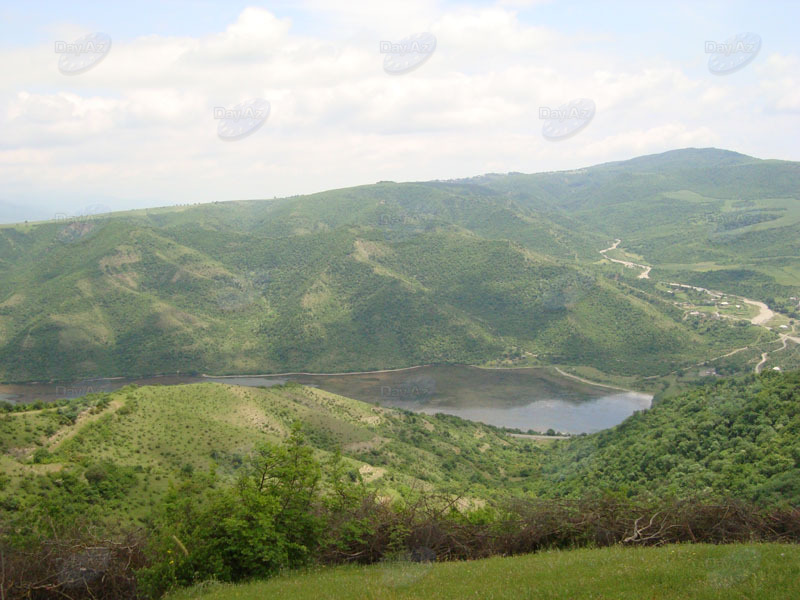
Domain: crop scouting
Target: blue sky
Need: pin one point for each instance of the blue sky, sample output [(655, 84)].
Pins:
[(640, 26), (138, 129)]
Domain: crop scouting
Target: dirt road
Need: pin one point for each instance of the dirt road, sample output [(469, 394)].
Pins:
[(764, 314), (645, 274)]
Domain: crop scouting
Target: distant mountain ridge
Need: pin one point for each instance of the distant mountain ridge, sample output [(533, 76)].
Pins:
[(498, 269)]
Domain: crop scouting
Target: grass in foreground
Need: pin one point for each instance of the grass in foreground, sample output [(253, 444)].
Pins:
[(679, 571)]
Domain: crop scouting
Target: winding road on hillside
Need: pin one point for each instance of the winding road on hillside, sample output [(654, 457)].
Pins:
[(785, 338), (765, 314), (645, 274)]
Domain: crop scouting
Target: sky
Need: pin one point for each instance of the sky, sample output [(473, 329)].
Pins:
[(187, 102)]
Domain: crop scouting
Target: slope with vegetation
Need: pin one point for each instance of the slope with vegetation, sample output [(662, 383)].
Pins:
[(706, 217), (210, 481), (393, 275), (734, 437), (117, 454), (754, 571)]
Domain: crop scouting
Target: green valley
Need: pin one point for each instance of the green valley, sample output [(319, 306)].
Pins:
[(500, 270), (676, 274), (431, 300)]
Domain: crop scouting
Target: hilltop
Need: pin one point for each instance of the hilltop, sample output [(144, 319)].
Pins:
[(500, 269), (734, 438)]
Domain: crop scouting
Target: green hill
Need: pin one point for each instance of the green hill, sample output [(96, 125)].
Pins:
[(193, 482), (735, 437), (702, 216), (109, 462), (492, 269), (139, 441)]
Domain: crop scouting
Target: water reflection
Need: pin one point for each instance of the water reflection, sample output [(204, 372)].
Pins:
[(528, 399)]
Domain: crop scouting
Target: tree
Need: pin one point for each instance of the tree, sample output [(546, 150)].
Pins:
[(267, 522), (290, 474)]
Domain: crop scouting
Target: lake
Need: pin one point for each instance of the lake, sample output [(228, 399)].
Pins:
[(528, 399)]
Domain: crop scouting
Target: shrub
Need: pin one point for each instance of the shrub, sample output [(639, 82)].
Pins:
[(109, 479), (41, 455), (266, 522)]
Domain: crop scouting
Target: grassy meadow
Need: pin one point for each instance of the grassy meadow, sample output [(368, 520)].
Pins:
[(672, 572)]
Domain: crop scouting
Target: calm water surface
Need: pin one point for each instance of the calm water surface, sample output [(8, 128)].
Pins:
[(534, 398)]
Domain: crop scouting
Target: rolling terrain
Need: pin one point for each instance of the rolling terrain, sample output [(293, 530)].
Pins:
[(705, 217), (733, 438), (500, 269), (177, 462), (140, 441)]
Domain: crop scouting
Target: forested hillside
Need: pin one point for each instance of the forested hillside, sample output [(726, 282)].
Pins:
[(735, 437), (122, 451), (499, 268)]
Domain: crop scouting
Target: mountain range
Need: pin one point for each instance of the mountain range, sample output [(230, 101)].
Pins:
[(492, 270)]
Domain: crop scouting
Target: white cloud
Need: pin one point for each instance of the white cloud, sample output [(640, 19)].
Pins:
[(780, 87), (139, 129)]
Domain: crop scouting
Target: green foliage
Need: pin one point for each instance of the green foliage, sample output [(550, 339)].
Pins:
[(178, 434), (259, 495), (261, 525), (672, 572), (49, 506), (109, 480), (40, 455), (496, 268), (735, 437)]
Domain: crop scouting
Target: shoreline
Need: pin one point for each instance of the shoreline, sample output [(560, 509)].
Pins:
[(204, 375), (7, 389), (610, 387), (540, 367), (563, 374), (314, 374)]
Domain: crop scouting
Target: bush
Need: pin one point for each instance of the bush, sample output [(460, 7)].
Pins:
[(266, 522), (109, 479), (41, 455), (79, 566)]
